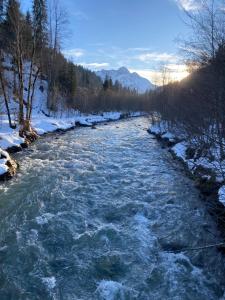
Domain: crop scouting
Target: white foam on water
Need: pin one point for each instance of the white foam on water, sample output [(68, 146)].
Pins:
[(144, 235), (3, 248), (111, 290), (18, 236), (180, 269), (44, 219), (223, 298), (33, 237), (49, 282)]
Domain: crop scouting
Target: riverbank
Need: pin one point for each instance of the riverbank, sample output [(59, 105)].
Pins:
[(207, 172), (11, 142), (83, 199)]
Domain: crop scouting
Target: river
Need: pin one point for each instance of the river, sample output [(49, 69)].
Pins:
[(105, 214)]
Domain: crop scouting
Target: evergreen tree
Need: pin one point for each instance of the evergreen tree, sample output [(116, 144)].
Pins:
[(28, 33), (72, 80), (1, 10), (117, 86), (110, 83), (12, 18), (28, 19), (40, 21), (106, 84)]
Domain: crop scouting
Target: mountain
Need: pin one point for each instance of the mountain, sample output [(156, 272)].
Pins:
[(127, 79)]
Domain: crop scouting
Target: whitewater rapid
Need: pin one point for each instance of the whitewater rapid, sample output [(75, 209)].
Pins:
[(105, 214)]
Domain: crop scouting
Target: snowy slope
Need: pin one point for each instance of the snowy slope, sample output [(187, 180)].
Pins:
[(43, 120), (127, 79)]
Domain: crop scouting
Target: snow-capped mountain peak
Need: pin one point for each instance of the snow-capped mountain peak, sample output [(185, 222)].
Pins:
[(123, 70), (127, 79)]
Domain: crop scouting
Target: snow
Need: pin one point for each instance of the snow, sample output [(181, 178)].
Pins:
[(113, 116), (214, 166), (180, 150), (169, 136), (43, 124), (43, 120), (136, 114), (159, 128), (3, 162), (127, 79), (9, 137), (3, 167)]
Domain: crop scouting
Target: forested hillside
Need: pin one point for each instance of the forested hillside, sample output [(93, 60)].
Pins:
[(31, 61), (196, 105), (190, 115)]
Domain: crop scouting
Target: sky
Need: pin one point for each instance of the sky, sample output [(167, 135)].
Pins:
[(141, 35)]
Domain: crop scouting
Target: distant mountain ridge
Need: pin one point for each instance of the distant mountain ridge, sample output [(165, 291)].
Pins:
[(127, 79)]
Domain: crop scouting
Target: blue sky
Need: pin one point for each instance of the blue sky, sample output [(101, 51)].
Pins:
[(138, 34)]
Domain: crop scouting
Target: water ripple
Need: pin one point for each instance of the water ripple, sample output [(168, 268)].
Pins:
[(105, 214)]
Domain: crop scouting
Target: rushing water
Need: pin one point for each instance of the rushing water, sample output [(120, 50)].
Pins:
[(105, 214)]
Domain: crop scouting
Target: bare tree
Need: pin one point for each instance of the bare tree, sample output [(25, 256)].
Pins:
[(17, 53), (207, 27), (3, 87), (57, 29), (25, 55)]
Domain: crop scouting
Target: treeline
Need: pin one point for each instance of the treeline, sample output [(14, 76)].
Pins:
[(110, 97), (32, 44), (196, 105)]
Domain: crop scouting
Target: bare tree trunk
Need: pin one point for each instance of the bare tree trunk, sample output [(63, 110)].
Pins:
[(19, 64), (5, 95), (30, 83), (32, 93)]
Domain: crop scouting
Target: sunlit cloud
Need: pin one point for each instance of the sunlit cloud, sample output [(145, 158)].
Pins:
[(138, 49), (157, 57), (177, 72), (172, 72), (94, 66), (74, 53), (142, 60), (188, 5), (176, 67)]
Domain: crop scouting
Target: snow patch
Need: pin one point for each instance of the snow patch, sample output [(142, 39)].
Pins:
[(127, 79), (214, 167), (180, 150), (3, 167)]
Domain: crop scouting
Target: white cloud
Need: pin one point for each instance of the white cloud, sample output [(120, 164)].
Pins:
[(157, 57), (175, 72), (94, 65), (138, 49), (188, 5), (74, 53), (176, 67)]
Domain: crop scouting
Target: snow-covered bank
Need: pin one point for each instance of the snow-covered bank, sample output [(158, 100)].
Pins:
[(10, 141), (44, 120), (8, 166), (207, 170)]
